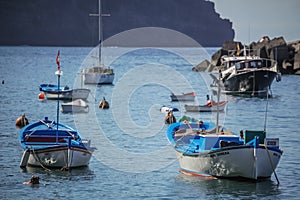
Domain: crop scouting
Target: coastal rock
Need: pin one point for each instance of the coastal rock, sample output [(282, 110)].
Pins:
[(201, 67), (286, 55)]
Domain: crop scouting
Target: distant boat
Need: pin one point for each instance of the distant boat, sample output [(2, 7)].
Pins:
[(98, 74), (203, 150), (52, 144), (166, 109), (183, 97), (213, 107), (75, 106), (65, 93), (246, 74)]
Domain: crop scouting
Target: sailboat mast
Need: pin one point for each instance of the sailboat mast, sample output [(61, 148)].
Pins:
[(100, 31)]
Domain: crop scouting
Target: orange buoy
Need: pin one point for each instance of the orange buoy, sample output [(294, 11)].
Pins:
[(41, 96)]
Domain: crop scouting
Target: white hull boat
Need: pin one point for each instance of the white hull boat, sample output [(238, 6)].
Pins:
[(91, 77), (183, 97), (99, 74), (214, 107), (202, 150), (75, 106), (51, 92)]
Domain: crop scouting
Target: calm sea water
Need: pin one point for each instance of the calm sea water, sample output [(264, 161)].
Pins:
[(133, 159)]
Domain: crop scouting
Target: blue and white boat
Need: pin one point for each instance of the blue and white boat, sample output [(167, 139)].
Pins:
[(65, 93), (204, 149), (52, 144), (166, 109)]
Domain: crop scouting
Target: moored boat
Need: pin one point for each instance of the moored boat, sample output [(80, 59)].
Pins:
[(206, 149), (98, 74), (53, 145), (166, 109), (213, 107), (183, 97), (75, 106), (247, 74), (65, 93)]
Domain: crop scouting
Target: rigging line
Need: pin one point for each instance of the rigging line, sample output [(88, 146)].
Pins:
[(38, 159), (266, 111), (273, 169)]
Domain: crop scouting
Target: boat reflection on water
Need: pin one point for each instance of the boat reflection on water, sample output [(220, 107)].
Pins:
[(232, 189)]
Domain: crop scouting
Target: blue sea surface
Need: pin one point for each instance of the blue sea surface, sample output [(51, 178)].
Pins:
[(133, 159)]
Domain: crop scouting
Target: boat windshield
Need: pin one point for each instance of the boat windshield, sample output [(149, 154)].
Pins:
[(249, 64)]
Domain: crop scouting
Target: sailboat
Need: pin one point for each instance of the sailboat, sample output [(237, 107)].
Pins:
[(50, 144), (208, 150), (98, 74)]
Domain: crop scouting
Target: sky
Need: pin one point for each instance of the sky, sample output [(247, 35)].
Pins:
[(253, 19)]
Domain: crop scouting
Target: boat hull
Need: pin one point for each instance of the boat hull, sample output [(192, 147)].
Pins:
[(73, 109), (68, 95), (58, 157), (246, 162), (183, 97), (98, 78), (251, 82), (75, 106)]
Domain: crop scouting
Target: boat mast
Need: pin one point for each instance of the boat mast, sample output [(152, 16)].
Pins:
[(218, 100), (100, 30), (58, 73)]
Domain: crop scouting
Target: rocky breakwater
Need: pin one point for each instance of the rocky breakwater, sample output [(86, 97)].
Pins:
[(286, 54)]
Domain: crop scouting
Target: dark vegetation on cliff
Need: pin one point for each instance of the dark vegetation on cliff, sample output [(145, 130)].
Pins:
[(67, 22)]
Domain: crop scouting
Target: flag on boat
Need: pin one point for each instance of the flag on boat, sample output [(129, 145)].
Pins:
[(57, 61)]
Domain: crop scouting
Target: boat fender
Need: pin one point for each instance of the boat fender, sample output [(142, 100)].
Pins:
[(22, 121), (278, 77)]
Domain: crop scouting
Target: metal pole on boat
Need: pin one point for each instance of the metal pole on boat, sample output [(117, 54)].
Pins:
[(58, 73), (218, 100)]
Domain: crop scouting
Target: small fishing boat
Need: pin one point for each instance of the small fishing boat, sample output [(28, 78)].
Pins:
[(183, 97), (52, 144), (75, 106), (204, 149), (212, 107), (65, 93), (210, 150), (166, 109)]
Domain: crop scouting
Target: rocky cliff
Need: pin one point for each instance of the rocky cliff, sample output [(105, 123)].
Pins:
[(67, 22)]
